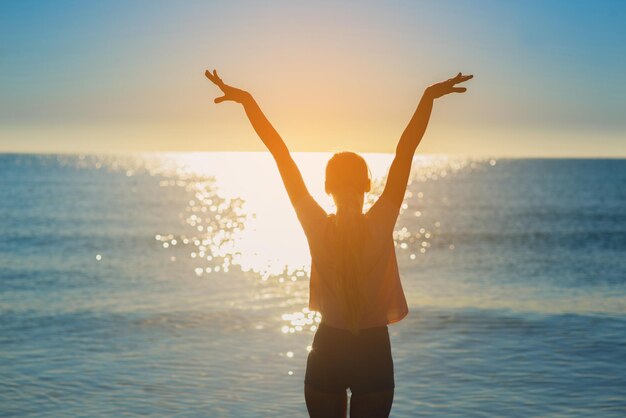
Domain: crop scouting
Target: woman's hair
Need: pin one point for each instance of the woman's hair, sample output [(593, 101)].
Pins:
[(347, 179), (347, 172)]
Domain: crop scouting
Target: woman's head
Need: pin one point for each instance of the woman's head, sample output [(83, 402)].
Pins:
[(347, 178)]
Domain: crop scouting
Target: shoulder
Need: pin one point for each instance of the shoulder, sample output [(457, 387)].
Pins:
[(310, 214), (382, 216), (383, 210), (308, 209)]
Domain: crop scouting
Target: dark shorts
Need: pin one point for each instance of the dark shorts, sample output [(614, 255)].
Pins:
[(339, 360)]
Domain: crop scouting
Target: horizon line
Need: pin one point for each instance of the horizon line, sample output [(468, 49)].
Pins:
[(460, 155)]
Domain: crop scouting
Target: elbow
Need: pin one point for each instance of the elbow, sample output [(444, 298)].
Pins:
[(405, 150)]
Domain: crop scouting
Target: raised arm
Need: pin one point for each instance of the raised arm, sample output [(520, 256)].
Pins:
[(289, 172), (398, 176)]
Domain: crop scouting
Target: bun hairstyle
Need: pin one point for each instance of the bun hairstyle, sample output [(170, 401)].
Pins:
[(347, 179)]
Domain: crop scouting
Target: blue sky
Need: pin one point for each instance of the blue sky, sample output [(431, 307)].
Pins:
[(122, 76)]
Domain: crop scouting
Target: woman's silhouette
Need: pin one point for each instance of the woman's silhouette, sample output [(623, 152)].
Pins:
[(354, 283)]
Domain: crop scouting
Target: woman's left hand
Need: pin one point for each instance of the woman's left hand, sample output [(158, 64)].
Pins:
[(448, 86)]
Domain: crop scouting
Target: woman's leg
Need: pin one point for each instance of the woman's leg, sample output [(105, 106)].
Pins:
[(325, 405), (371, 405)]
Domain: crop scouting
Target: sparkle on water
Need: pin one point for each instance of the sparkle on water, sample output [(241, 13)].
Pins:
[(239, 216), (256, 229), (243, 217), (232, 275)]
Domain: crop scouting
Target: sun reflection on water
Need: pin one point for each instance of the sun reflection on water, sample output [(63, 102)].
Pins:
[(241, 214), (298, 321), (238, 216)]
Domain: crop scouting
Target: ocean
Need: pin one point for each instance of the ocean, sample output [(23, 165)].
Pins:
[(175, 285)]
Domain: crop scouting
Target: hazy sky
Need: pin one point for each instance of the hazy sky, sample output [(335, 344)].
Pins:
[(128, 75)]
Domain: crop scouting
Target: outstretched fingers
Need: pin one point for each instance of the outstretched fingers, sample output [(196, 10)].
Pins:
[(460, 78), (217, 77), (450, 85), (214, 78)]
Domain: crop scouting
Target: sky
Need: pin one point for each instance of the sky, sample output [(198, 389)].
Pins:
[(127, 76)]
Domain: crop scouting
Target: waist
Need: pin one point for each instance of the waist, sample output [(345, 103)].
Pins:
[(346, 332)]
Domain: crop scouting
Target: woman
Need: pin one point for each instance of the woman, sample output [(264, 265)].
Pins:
[(354, 283)]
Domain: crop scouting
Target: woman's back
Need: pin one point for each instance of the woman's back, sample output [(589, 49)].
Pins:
[(379, 282)]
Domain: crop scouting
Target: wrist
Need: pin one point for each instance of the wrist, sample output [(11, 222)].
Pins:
[(429, 94), (246, 98)]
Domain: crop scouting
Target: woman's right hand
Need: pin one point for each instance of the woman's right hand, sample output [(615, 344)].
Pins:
[(230, 93), (448, 86)]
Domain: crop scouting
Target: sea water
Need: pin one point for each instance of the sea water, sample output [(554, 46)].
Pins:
[(175, 285)]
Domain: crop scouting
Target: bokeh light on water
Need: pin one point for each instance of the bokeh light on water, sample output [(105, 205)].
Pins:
[(177, 284), (238, 219), (238, 215), (243, 216)]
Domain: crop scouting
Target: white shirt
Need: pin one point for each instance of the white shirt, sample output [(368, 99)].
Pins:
[(381, 280)]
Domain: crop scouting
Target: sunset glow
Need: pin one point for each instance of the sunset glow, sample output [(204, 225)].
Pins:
[(122, 76)]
